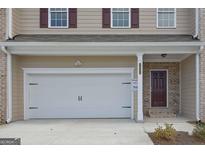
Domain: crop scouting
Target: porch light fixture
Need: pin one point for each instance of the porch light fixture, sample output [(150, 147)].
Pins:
[(163, 55)]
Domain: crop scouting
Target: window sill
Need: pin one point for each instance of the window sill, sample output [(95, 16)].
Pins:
[(121, 27), (166, 27), (58, 27)]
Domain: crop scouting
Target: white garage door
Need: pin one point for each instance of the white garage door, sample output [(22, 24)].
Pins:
[(79, 96)]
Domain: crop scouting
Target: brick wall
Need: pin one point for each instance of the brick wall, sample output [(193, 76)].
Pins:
[(173, 84), (202, 66), (2, 68)]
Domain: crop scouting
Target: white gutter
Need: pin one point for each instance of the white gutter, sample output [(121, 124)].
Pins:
[(9, 22), (91, 44), (196, 35), (9, 84)]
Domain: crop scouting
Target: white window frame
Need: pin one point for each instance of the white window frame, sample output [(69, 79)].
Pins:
[(129, 26), (168, 27), (49, 20)]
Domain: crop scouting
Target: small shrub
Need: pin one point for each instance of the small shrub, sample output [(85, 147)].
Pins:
[(199, 131), (167, 133)]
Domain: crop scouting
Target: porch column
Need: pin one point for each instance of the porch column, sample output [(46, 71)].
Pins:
[(140, 117), (197, 86)]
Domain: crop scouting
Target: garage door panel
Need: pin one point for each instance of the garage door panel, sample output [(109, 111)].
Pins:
[(57, 96)]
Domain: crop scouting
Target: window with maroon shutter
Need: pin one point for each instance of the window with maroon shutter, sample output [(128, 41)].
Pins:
[(121, 18), (43, 17), (106, 17), (73, 18), (58, 18), (134, 17)]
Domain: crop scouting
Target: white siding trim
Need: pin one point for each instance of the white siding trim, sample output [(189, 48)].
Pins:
[(180, 89), (140, 115), (10, 23), (197, 86)]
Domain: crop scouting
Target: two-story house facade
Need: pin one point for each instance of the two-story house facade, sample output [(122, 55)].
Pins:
[(103, 63)]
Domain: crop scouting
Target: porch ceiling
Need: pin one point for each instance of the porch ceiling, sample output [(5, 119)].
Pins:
[(167, 58)]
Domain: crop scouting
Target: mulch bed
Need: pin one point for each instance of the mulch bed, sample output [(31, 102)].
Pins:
[(182, 138)]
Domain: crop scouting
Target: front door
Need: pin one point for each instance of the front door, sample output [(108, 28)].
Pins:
[(158, 88)]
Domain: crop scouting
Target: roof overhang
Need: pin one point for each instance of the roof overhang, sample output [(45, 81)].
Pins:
[(100, 48)]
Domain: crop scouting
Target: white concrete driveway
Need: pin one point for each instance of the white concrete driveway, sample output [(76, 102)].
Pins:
[(87, 131), (77, 131)]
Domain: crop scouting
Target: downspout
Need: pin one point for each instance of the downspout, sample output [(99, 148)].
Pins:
[(196, 34), (9, 24), (9, 84)]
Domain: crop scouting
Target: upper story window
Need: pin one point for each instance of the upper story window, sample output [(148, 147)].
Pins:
[(58, 18), (120, 18), (166, 18)]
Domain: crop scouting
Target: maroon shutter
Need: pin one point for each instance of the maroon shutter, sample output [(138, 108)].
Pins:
[(106, 17), (134, 17), (43, 17), (72, 17)]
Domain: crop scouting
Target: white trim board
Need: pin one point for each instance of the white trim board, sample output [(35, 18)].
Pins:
[(150, 87), (120, 44), (27, 71)]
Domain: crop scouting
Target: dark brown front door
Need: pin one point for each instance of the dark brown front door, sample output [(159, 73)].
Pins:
[(158, 88)]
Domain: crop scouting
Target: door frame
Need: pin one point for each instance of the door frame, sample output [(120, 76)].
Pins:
[(167, 74), (29, 71)]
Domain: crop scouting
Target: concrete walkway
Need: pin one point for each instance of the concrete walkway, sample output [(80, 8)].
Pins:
[(82, 131), (179, 123)]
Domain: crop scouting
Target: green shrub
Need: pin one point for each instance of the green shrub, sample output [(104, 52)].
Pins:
[(167, 133), (199, 130)]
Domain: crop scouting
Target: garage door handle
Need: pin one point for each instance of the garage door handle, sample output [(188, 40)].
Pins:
[(80, 98), (126, 83), (33, 84), (126, 106), (33, 107)]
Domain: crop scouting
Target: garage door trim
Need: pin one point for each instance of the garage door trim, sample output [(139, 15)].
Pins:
[(29, 71)]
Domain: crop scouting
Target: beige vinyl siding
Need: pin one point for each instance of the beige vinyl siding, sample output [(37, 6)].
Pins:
[(20, 62), (192, 20), (188, 86), (16, 22), (89, 21)]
